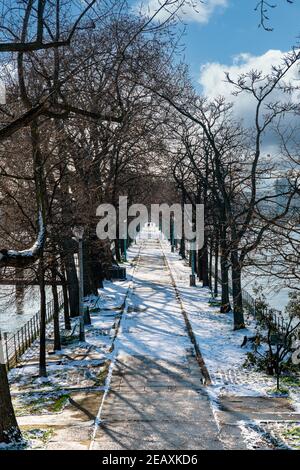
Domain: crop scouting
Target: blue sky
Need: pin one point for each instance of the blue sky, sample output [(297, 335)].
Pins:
[(224, 29), (225, 37), (234, 30)]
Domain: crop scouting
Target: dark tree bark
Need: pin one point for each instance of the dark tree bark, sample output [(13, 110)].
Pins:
[(57, 342), (41, 277), (66, 304), (9, 429), (239, 322), (97, 274), (210, 263), (72, 279), (225, 301), (204, 262), (62, 277), (182, 248), (117, 251), (88, 263), (182, 241), (199, 265), (216, 273)]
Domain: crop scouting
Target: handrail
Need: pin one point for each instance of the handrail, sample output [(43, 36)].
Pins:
[(15, 344), (250, 305)]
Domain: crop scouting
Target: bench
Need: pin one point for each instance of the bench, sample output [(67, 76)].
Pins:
[(117, 273)]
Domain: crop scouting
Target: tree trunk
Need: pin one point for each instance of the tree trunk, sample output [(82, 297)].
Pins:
[(43, 371), (20, 292), (96, 264), (72, 279), (9, 429), (88, 275), (216, 274), (199, 265), (225, 302), (97, 275), (182, 248), (182, 240), (117, 251), (204, 260), (57, 343), (121, 248), (239, 322), (66, 304), (61, 274), (210, 264)]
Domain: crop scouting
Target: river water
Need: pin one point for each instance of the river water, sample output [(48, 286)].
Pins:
[(276, 296), (14, 312), (16, 308)]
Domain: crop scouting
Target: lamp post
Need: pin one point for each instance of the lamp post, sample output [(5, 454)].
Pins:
[(125, 244), (192, 276), (172, 235), (192, 258), (78, 234)]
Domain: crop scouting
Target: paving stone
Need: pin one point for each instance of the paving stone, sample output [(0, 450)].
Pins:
[(159, 403)]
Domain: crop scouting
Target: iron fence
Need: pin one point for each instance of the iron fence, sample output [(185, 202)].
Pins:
[(15, 344), (253, 307)]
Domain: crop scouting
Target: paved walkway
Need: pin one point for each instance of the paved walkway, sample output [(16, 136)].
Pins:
[(156, 398)]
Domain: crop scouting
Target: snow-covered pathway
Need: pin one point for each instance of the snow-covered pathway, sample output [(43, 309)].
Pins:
[(242, 398), (153, 396), (156, 398)]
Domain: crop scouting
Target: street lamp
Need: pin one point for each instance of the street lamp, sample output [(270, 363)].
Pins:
[(78, 232), (192, 258), (125, 245), (172, 235), (192, 276)]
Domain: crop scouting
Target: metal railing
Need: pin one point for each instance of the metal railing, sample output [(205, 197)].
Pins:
[(15, 344), (274, 317), (250, 304)]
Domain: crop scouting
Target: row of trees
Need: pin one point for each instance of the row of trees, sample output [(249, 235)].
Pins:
[(99, 106), (222, 164), (76, 131)]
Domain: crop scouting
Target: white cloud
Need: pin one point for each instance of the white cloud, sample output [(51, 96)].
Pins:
[(213, 82), (192, 10)]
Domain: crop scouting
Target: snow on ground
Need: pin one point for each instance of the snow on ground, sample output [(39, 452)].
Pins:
[(219, 344), (78, 365), (224, 357), (149, 326)]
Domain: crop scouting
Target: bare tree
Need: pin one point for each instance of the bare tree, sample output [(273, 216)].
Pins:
[(263, 7)]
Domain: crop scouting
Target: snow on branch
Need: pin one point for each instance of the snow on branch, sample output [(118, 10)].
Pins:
[(25, 257)]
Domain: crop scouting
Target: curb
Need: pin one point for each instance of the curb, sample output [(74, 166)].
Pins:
[(198, 354), (97, 421)]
